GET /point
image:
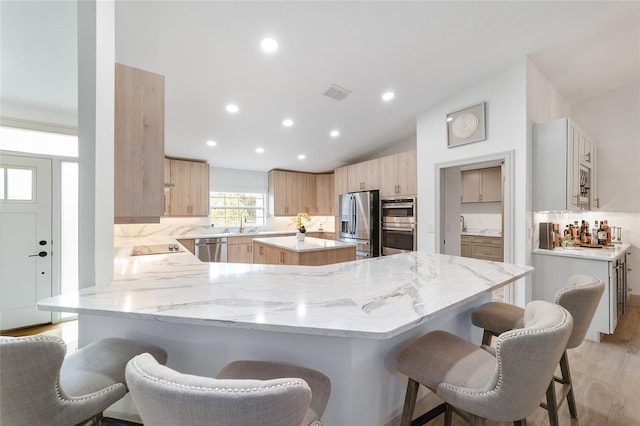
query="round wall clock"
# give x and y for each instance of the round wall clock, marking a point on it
(465, 125)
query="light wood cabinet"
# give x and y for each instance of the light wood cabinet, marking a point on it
(240, 250)
(291, 193)
(189, 244)
(398, 174)
(477, 247)
(364, 176)
(271, 255)
(324, 195)
(188, 188)
(482, 185)
(139, 146)
(565, 168)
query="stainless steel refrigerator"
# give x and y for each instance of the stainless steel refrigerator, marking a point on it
(360, 222)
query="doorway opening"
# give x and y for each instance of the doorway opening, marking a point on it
(475, 210)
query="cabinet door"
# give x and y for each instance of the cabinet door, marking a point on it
(389, 176)
(181, 189)
(308, 182)
(354, 174)
(595, 203)
(278, 192)
(371, 175)
(259, 255)
(465, 246)
(491, 180)
(189, 244)
(138, 146)
(407, 166)
(240, 253)
(199, 189)
(324, 194)
(470, 186)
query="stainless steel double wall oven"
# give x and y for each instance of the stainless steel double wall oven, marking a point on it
(399, 226)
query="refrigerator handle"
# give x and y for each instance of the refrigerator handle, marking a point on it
(353, 215)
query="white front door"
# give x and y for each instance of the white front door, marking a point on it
(25, 240)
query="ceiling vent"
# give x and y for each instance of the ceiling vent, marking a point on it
(336, 92)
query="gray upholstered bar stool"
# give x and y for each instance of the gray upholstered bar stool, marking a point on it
(580, 298)
(40, 386)
(166, 397)
(478, 384)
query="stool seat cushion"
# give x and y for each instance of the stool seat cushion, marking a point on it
(498, 317)
(450, 359)
(263, 370)
(101, 364)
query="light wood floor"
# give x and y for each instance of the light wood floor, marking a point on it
(606, 376)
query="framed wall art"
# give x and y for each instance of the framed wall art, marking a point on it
(466, 126)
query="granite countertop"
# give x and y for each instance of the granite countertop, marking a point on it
(309, 244)
(375, 298)
(605, 253)
(478, 232)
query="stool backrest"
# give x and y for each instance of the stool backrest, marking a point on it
(526, 360)
(580, 298)
(164, 396)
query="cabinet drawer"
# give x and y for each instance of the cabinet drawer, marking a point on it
(239, 240)
(488, 241)
(485, 251)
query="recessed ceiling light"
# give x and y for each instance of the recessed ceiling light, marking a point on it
(269, 45)
(301, 157)
(287, 122)
(232, 108)
(259, 150)
(334, 133)
(387, 96)
(212, 143)
(449, 118)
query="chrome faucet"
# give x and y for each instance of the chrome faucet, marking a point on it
(243, 220)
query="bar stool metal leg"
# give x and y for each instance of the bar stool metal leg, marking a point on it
(409, 402)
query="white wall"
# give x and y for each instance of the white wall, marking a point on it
(96, 85)
(405, 145)
(612, 121)
(506, 124)
(234, 180)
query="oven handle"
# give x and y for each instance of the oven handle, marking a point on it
(398, 205)
(396, 228)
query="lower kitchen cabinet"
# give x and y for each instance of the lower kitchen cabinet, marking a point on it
(477, 247)
(269, 255)
(189, 244)
(240, 250)
(552, 273)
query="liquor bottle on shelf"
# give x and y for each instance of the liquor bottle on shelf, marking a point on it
(602, 234)
(594, 233)
(608, 233)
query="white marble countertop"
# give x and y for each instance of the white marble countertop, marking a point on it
(478, 232)
(375, 298)
(309, 244)
(605, 253)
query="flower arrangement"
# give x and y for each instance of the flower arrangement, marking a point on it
(297, 220)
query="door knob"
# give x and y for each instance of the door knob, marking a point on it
(41, 254)
(43, 242)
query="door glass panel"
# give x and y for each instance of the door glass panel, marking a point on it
(1, 183)
(20, 184)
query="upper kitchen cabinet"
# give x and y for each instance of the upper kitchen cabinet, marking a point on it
(188, 187)
(139, 146)
(564, 167)
(324, 195)
(364, 176)
(291, 193)
(482, 185)
(398, 174)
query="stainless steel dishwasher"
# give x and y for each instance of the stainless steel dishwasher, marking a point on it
(211, 249)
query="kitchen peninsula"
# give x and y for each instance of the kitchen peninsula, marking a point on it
(310, 252)
(346, 319)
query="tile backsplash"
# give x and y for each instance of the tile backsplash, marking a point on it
(192, 227)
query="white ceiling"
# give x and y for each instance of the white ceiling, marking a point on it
(424, 51)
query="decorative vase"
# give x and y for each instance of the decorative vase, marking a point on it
(300, 237)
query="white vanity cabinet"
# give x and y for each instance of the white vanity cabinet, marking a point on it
(564, 167)
(554, 267)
